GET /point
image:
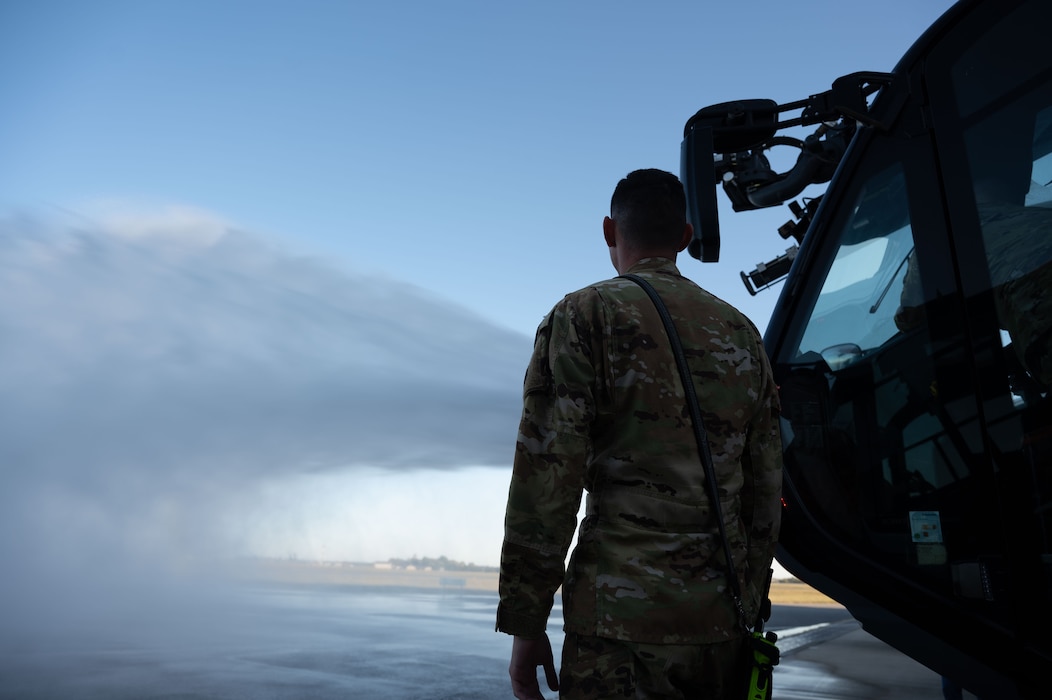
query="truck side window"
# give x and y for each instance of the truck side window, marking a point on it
(871, 438)
(1003, 92)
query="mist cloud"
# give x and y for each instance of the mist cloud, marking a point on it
(144, 351)
(153, 375)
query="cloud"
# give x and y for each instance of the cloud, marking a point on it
(152, 380)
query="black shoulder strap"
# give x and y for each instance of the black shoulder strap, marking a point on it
(700, 436)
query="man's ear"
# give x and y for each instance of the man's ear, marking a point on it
(610, 232)
(688, 233)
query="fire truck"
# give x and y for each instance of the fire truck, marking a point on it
(912, 337)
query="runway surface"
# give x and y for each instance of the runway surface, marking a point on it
(324, 642)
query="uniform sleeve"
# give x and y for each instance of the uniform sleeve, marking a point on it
(548, 473)
(761, 495)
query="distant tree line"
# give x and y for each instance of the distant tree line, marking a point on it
(439, 563)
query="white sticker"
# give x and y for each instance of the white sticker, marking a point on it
(930, 554)
(926, 526)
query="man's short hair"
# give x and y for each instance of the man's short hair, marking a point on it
(650, 208)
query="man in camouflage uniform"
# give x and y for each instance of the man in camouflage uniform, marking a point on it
(1018, 255)
(1017, 250)
(645, 602)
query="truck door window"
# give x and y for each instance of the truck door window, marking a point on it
(872, 439)
(989, 91)
(1006, 127)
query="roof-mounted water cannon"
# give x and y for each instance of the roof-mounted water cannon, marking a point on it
(726, 144)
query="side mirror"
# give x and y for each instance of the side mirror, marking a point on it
(729, 127)
(698, 174)
(737, 126)
(840, 356)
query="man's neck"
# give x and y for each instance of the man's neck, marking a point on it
(629, 259)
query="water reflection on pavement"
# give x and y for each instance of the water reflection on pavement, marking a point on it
(329, 642)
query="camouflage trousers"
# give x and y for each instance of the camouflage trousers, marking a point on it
(593, 667)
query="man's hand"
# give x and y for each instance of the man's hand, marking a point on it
(526, 656)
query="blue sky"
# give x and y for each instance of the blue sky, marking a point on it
(272, 269)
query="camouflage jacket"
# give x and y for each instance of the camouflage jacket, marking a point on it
(1020, 263)
(604, 413)
(1017, 250)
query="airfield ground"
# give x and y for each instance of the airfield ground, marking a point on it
(380, 575)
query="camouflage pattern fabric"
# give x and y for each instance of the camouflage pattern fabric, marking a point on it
(604, 413)
(910, 312)
(1019, 256)
(1016, 239)
(593, 667)
(1019, 250)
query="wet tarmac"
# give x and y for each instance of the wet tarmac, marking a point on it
(327, 642)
